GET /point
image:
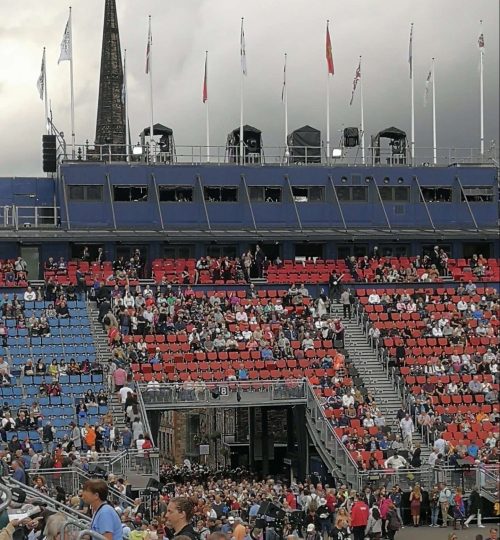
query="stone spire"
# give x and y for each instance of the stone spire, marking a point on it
(110, 128)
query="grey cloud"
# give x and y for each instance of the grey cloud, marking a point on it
(184, 29)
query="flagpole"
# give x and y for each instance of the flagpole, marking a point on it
(434, 138)
(45, 98)
(327, 110)
(285, 100)
(362, 117)
(127, 132)
(412, 143)
(241, 104)
(71, 84)
(207, 115)
(481, 89)
(150, 70)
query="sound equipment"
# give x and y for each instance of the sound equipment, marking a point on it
(271, 510)
(351, 137)
(49, 153)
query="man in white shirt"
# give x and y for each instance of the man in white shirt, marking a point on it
(124, 390)
(433, 457)
(440, 445)
(374, 298)
(407, 429)
(396, 462)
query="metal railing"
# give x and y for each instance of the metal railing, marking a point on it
(275, 155)
(33, 494)
(72, 480)
(331, 442)
(222, 393)
(25, 217)
(145, 463)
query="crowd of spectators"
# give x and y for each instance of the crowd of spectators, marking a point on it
(444, 345)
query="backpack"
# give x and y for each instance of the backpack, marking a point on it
(394, 523)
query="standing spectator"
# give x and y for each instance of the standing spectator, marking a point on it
(393, 522)
(179, 514)
(444, 502)
(407, 430)
(474, 507)
(458, 509)
(434, 506)
(373, 528)
(345, 300)
(415, 504)
(359, 518)
(18, 473)
(105, 520)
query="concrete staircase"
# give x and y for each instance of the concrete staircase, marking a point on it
(374, 377)
(104, 357)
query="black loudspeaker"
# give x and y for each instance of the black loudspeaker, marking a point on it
(351, 137)
(154, 485)
(253, 145)
(271, 510)
(49, 153)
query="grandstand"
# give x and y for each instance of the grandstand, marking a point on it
(249, 328)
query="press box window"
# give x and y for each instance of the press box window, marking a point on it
(265, 194)
(352, 194)
(221, 194)
(436, 194)
(477, 194)
(85, 193)
(308, 194)
(175, 194)
(397, 194)
(130, 193)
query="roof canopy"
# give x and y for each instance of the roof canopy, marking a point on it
(158, 129)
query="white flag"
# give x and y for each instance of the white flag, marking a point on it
(40, 84)
(149, 46)
(427, 87)
(66, 47)
(242, 51)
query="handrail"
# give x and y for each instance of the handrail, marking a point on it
(273, 155)
(73, 522)
(143, 413)
(92, 534)
(59, 506)
(8, 497)
(222, 392)
(330, 428)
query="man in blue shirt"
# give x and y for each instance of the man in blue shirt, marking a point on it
(105, 520)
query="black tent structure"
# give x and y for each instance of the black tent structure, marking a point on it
(398, 143)
(304, 145)
(166, 144)
(252, 145)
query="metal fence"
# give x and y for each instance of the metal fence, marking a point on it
(276, 155)
(25, 217)
(223, 393)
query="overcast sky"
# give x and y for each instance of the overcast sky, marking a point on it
(182, 31)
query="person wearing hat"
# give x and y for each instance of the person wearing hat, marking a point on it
(325, 518)
(311, 533)
(227, 528)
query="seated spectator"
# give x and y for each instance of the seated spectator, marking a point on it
(62, 311)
